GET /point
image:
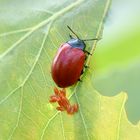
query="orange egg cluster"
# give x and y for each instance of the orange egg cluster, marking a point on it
(64, 104)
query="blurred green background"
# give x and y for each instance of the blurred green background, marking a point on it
(117, 56)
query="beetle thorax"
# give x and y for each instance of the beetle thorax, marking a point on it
(77, 43)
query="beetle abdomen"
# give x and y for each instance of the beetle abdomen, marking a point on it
(67, 65)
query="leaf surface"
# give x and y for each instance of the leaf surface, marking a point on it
(30, 34)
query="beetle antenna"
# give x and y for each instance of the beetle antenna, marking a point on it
(91, 39)
(72, 31)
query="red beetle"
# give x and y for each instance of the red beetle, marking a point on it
(67, 67)
(69, 62)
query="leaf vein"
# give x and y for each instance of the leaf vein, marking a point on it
(47, 124)
(82, 117)
(31, 70)
(119, 120)
(19, 114)
(63, 131)
(28, 117)
(41, 24)
(14, 32)
(99, 30)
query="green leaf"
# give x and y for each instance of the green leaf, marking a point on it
(107, 118)
(30, 34)
(126, 79)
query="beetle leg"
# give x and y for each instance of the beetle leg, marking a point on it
(79, 80)
(87, 52)
(85, 57)
(86, 66)
(82, 72)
